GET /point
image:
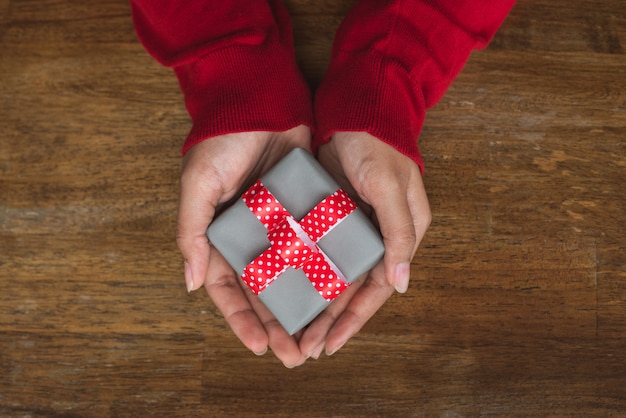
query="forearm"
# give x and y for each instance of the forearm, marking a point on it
(234, 61)
(393, 60)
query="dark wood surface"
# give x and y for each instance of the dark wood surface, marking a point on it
(517, 304)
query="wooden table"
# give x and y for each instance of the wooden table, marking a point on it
(517, 304)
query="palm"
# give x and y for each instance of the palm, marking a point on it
(329, 158)
(387, 185)
(235, 160)
(214, 172)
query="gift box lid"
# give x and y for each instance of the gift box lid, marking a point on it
(299, 183)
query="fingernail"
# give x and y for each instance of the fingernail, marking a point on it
(260, 353)
(401, 279)
(317, 351)
(333, 351)
(292, 366)
(188, 277)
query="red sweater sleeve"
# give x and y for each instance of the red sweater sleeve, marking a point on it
(394, 59)
(234, 60)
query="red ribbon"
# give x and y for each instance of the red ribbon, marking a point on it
(293, 243)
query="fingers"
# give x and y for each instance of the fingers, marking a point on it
(313, 340)
(404, 216)
(196, 210)
(246, 315)
(391, 184)
(366, 301)
(420, 208)
(200, 193)
(250, 320)
(384, 178)
(213, 171)
(347, 315)
(284, 346)
(398, 232)
(224, 289)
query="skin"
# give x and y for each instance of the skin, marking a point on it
(214, 171)
(385, 183)
(389, 185)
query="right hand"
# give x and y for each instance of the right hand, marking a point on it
(389, 186)
(214, 171)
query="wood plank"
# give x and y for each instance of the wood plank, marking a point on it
(517, 300)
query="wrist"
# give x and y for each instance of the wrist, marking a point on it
(352, 97)
(225, 92)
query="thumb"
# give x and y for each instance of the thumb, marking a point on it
(398, 231)
(195, 213)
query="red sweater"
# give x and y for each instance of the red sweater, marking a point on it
(391, 61)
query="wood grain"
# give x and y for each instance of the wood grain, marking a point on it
(517, 303)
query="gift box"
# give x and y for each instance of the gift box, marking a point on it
(296, 239)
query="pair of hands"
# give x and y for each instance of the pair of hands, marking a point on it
(383, 181)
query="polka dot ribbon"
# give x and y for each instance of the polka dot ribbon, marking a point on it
(293, 243)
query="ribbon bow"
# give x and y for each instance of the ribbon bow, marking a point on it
(293, 243)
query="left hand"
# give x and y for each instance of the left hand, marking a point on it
(214, 171)
(388, 185)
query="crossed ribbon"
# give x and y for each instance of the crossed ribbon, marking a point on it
(294, 243)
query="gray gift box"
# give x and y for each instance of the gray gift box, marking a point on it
(299, 183)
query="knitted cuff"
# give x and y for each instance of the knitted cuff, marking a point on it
(371, 93)
(244, 88)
